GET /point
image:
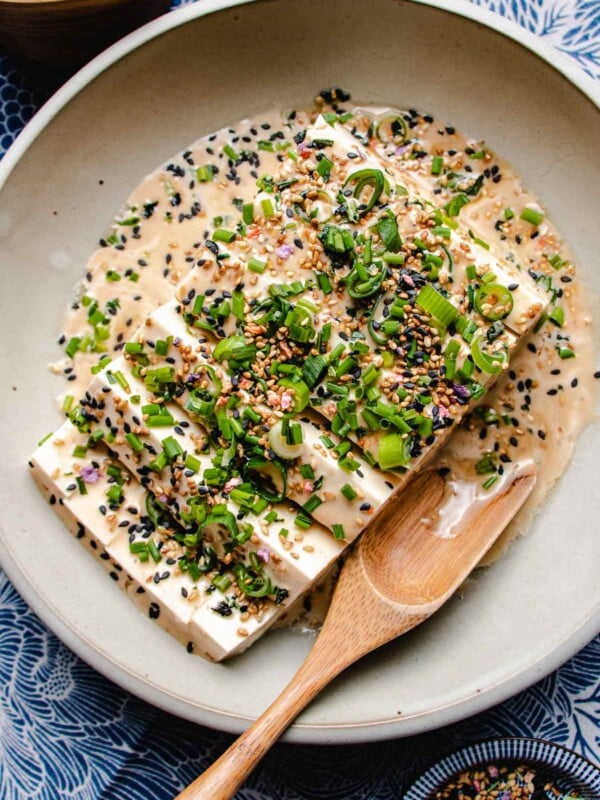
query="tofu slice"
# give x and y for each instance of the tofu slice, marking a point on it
(371, 486)
(162, 590)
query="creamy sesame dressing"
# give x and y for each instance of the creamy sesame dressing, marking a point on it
(281, 327)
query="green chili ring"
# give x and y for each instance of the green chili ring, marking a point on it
(363, 178)
(261, 465)
(398, 130)
(498, 297)
(379, 339)
(360, 288)
(492, 363)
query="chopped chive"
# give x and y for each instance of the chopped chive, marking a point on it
(436, 165)
(338, 531)
(222, 235)
(113, 276)
(134, 442)
(248, 213)
(73, 346)
(490, 481)
(348, 491)
(230, 152)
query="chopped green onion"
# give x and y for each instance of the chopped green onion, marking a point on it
(230, 152)
(437, 306)
(256, 265)
(171, 448)
(134, 442)
(487, 484)
(206, 173)
(566, 352)
(324, 168)
(557, 316)
(72, 346)
(221, 235)
(532, 216)
(393, 451)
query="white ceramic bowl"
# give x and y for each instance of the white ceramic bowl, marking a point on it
(142, 101)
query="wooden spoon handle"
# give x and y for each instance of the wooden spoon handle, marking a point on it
(340, 643)
(220, 781)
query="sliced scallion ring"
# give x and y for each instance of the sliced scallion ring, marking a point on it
(391, 128)
(280, 446)
(437, 306)
(494, 301)
(300, 391)
(393, 451)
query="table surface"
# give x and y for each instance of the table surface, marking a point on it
(67, 732)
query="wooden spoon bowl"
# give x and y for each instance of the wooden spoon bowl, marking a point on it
(69, 32)
(398, 574)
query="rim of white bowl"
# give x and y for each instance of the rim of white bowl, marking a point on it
(223, 720)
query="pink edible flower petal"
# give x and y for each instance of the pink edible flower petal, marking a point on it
(284, 251)
(89, 474)
(286, 401)
(264, 554)
(308, 487)
(231, 484)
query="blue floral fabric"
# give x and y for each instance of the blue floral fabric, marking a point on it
(67, 732)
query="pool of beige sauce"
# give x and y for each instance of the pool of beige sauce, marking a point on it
(547, 430)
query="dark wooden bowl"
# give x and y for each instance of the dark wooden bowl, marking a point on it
(69, 32)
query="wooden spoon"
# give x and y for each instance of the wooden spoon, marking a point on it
(398, 575)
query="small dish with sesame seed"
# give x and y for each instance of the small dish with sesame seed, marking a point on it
(510, 769)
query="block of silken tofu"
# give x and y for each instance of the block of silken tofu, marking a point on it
(108, 532)
(156, 583)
